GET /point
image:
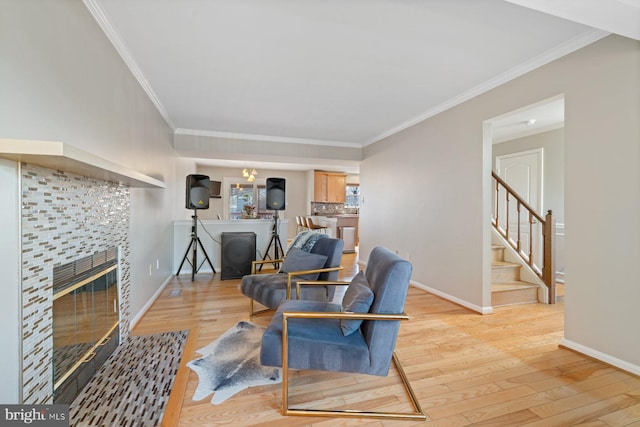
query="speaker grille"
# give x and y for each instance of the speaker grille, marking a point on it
(276, 194)
(197, 192)
(238, 251)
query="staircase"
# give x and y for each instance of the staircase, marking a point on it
(506, 286)
(519, 226)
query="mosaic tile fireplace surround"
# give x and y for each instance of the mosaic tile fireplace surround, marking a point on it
(64, 217)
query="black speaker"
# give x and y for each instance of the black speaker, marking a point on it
(197, 196)
(275, 194)
(238, 251)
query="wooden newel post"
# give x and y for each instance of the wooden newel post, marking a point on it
(550, 255)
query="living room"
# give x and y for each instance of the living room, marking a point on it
(66, 82)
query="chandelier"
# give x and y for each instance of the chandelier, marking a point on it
(251, 176)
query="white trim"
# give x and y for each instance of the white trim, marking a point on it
(20, 292)
(603, 357)
(559, 51)
(134, 320)
(253, 137)
(455, 300)
(529, 132)
(559, 233)
(101, 18)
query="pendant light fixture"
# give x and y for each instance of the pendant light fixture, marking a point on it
(251, 176)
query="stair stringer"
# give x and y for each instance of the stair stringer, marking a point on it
(526, 273)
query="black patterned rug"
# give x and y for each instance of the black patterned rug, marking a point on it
(231, 363)
(133, 386)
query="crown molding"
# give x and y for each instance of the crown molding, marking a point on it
(253, 137)
(115, 39)
(559, 51)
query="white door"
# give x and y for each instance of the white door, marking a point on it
(523, 172)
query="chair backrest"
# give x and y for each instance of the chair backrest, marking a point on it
(332, 249)
(388, 276)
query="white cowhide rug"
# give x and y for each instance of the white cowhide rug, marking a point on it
(231, 363)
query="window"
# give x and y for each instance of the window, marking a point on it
(352, 199)
(251, 194)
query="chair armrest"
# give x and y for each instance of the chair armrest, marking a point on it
(323, 283)
(319, 283)
(291, 274)
(264, 261)
(340, 315)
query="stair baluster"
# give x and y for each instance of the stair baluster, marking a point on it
(546, 271)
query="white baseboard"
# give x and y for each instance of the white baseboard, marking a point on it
(466, 304)
(603, 357)
(456, 300)
(134, 321)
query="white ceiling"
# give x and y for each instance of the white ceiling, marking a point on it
(530, 120)
(334, 72)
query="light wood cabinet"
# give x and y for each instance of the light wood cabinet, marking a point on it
(329, 187)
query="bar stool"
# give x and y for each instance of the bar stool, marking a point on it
(303, 221)
(299, 226)
(316, 227)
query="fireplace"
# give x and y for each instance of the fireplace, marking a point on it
(85, 320)
(65, 218)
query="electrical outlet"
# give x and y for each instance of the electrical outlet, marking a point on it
(150, 270)
(157, 264)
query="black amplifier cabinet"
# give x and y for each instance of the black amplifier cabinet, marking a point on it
(238, 251)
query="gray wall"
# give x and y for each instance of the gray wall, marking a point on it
(62, 80)
(426, 194)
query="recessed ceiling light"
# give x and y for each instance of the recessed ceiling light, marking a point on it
(530, 122)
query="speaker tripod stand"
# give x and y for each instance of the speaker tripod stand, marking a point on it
(277, 245)
(193, 246)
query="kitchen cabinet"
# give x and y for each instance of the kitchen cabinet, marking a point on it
(329, 187)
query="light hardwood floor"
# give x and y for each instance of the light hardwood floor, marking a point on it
(503, 369)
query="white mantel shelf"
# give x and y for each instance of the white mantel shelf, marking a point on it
(64, 157)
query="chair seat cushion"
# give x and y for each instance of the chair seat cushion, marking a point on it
(271, 289)
(319, 343)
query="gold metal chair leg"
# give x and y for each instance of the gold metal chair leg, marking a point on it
(417, 415)
(255, 313)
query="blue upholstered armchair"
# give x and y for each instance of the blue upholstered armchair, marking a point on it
(312, 256)
(356, 336)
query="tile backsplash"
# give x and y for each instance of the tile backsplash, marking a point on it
(319, 208)
(64, 217)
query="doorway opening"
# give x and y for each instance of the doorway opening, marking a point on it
(525, 147)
